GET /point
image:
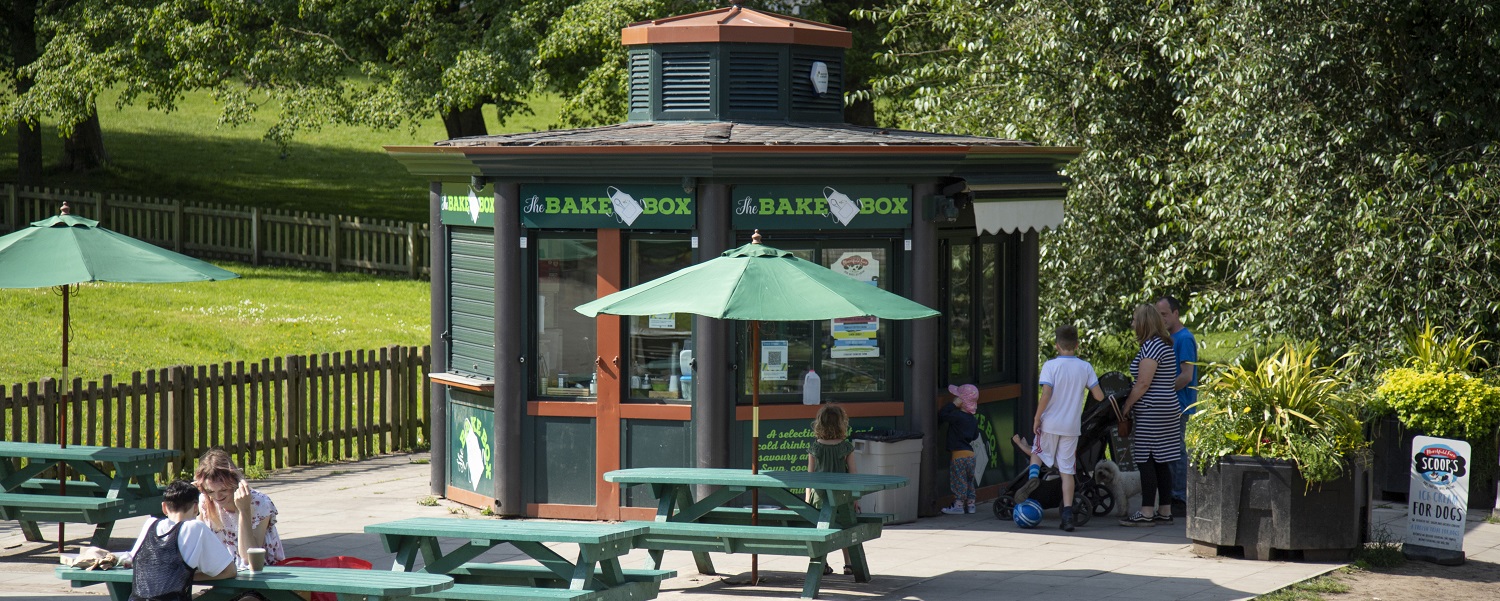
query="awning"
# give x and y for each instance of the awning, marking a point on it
(1016, 202)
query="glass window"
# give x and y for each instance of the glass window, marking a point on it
(960, 308)
(852, 357)
(981, 318)
(660, 346)
(567, 268)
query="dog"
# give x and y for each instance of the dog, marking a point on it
(1125, 487)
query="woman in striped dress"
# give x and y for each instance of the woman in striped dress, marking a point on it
(1153, 405)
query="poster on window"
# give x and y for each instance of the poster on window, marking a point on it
(854, 338)
(662, 321)
(860, 266)
(773, 358)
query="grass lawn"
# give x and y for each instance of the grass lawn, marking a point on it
(266, 312)
(187, 155)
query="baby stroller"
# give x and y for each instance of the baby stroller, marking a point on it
(1095, 432)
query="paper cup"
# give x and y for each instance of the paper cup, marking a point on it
(256, 557)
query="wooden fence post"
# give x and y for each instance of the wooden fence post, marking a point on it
(412, 258)
(12, 206)
(255, 233)
(173, 419)
(99, 207)
(177, 224)
(334, 221)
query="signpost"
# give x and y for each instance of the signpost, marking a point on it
(1439, 500)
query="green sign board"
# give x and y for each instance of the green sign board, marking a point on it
(464, 205)
(783, 443)
(607, 206)
(826, 207)
(470, 444)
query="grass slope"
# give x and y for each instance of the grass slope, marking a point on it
(187, 155)
(266, 312)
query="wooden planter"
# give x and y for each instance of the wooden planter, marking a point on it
(1264, 507)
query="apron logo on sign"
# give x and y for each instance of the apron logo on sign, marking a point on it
(1439, 465)
(627, 208)
(840, 206)
(473, 205)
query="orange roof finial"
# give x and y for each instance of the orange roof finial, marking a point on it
(65, 208)
(755, 238)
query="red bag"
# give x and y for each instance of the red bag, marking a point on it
(337, 561)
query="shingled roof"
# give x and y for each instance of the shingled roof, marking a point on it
(678, 133)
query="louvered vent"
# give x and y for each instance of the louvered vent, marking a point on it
(804, 98)
(640, 81)
(754, 81)
(686, 81)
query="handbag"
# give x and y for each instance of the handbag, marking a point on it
(337, 561)
(1122, 418)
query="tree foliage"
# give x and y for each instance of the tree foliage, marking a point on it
(1316, 170)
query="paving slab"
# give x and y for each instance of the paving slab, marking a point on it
(324, 509)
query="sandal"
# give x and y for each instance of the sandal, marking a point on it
(848, 570)
(827, 570)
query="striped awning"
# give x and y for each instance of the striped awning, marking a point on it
(1016, 202)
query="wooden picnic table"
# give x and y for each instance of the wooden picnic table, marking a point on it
(797, 528)
(117, 483)
(595, 572)
(277, 583)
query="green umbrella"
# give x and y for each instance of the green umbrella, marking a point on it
(757, 283)
(65, 250)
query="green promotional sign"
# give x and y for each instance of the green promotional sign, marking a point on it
(783, 443)
(607, 206)
(825, 207)
(470, 460)
(464, 205)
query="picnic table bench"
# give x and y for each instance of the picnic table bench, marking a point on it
(594, 574)
(278, 583)
(797, 528)
(117, 483)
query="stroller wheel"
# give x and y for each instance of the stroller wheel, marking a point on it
(1083, 509)
(1102, 500)
(1005, 508)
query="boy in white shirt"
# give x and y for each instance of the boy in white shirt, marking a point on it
(1059, 414)
(172, 552)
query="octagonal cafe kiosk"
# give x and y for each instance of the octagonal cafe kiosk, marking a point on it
(735, 125)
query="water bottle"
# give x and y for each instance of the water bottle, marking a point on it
(812, 388)
(594, 384)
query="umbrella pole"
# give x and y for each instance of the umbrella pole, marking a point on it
(62, 413)
(754, 439)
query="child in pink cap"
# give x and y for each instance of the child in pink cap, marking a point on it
(963, 429)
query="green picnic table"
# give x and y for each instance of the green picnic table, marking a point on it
(593, 574)
(797, 528)
(278, 583)
(117, 483)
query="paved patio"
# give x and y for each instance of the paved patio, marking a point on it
(325, 508)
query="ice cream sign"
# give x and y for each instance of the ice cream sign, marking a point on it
(830, 206)
(606, 206)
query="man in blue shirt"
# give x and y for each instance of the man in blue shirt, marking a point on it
(1186, 348)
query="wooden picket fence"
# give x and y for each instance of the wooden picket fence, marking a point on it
(231, 232)
(276, 413)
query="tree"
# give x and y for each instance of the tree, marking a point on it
(18, 20)
(1314, 170)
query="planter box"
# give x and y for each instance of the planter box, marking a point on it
(1264, 507)
(1390, 452)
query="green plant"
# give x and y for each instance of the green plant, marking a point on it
(1284, 405)
(1307, 590)
(256, 472)
(1428, 351)
(1440, 403)
(1383, 552)
(428, 501)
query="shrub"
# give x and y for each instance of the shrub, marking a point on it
(1279, 406)
(1441, 403)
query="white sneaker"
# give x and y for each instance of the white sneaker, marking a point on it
(956, 509)
(969, 507)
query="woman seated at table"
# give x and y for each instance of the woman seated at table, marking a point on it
(241, 517)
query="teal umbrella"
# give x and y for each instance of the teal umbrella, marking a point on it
(65, 251)
(757, 283)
